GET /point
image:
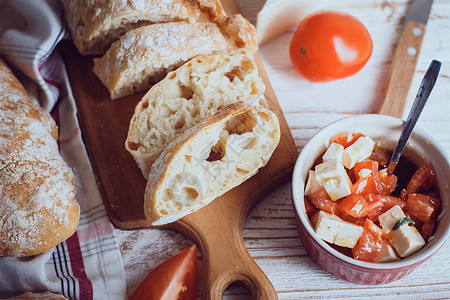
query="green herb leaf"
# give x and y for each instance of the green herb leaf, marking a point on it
(403, 222)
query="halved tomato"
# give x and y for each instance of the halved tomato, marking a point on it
(175, 278)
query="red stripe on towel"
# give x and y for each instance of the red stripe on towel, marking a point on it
(78, 269)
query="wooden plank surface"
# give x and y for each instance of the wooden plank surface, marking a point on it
(269, 231)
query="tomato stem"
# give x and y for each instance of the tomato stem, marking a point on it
(302, 51)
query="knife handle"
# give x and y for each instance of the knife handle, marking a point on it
(402, 69)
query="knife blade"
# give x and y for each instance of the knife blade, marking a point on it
(405, 58)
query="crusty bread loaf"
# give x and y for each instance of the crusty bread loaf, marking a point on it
(96, 24)
(145, 55)
(208, 160)
(186, 97)
(38, 208)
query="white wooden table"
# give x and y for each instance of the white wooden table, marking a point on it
(269, 233)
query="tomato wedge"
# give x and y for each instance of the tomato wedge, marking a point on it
(175, 278)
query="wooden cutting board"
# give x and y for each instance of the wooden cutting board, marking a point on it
(216, 228)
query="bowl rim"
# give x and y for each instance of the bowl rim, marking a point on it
(298, 194)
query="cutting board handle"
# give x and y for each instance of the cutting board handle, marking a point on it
(239, 267)
(224, 255)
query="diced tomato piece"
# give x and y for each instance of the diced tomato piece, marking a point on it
(365, 164)
(309, 207)
(364, 186)
(346, 217)
(422, 180)
(370, 244)
(436, 200)
(388, 201)
(388, 182)
(421, 206)
(378, 182)
(403, 195)
(352, 205)
(347, 139)
(428, 229)
(373, 209)
(322, 201)
(381, 155)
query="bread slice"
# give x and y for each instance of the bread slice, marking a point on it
(208, 160)
(187, 96)
(96, 24)
(37, 189)
(145, 55)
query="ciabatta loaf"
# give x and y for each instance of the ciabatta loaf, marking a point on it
(145, 55)
(37, 190)
(208, 160)
(187, 96)
(96, 24)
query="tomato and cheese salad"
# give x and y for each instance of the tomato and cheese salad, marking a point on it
(363, 211)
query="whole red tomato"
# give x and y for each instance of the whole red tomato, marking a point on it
(175, 278)
(330, 45)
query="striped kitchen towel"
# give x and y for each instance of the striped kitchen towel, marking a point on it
(88, 265)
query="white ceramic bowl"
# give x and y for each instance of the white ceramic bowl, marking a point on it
(385, 131)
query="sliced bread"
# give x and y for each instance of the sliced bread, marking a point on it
(96, 24)
(145, 55)
(208, 160)
(187, 96)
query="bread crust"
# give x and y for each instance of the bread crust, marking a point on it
(96, 24)
(145, 55)
(37, 187)
(247, 136)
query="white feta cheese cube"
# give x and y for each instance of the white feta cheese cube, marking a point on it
(312, 185)
(406, 240)
(333, 177)
(348, 234)
(388, 254)
(358, 151)
(335, 230)
(363, 173)
(390, 217)
(326, 225)
(334, 151)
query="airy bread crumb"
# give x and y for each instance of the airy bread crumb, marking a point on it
(186, 97)
(208, 160)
